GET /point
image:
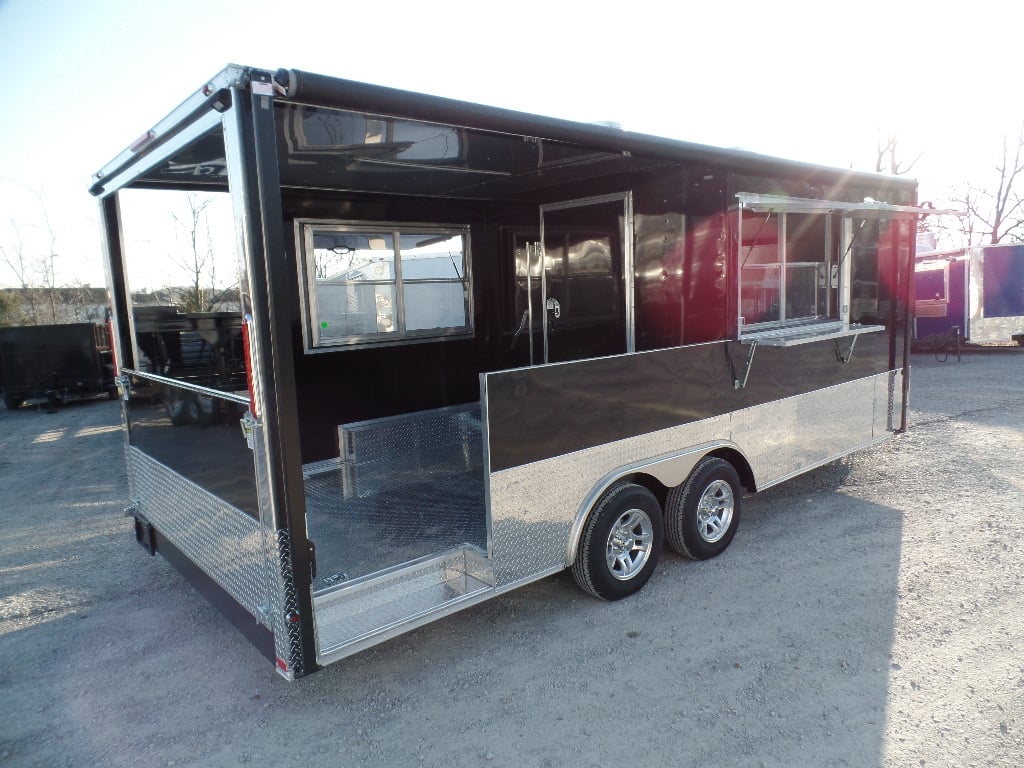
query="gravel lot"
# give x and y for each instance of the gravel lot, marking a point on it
(869, 613)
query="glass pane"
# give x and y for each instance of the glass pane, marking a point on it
(354, 309)
(368, 137)
(872, 245)
(353, 256)
(805, 293)
(759, 294)
(930, 283)
(805, 238)
(760, 239)
(760, 257)
(806, 255)
(434, 305)
(432, 256)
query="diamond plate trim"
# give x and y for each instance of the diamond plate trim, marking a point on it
(223, 541)
(287, 627)
(419, 432)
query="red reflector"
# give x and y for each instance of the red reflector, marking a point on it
(247, 352)
(110, 343)
(282, 665)
(142, 141)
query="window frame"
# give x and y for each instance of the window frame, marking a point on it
(781, 228)
(305, 229)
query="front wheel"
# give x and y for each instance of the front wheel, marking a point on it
(702, 514)
(621, 543)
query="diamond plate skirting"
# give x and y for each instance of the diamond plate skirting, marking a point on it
(224, 542)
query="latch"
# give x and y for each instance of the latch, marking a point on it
(124, 384)
(248, 424)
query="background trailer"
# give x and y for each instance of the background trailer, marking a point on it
(482, 346)
(55, 363)
(996, 292)
(979, 289)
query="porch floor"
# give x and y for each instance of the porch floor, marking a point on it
(366, 517)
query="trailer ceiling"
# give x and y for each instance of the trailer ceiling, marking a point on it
(330, 149)
(341, 135)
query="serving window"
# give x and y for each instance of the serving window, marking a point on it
(373, 284)
(785, 269)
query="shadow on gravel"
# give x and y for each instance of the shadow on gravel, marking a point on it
(776, 653)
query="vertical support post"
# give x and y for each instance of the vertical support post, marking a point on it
(117, 287)
(254, 181)
(628, 275)
(906, 294)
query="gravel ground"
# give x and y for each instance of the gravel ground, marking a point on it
(869, 613)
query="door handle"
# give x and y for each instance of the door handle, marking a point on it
(554, 308)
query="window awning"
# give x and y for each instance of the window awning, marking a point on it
(867, 209)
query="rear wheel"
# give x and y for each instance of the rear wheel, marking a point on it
(702, 514)
(177, 405)
(202, 410)
(621, 543)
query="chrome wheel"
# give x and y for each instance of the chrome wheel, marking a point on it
(629, 544)
(702, 514)
(714, 511)
(620, 542)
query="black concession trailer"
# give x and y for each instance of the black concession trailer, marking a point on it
(54, 363)
(480, 347)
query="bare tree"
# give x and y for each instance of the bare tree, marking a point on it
(48, 265)
(201, 294)
(997, 216)
(39, 299)
(887, 160)
(17, 260)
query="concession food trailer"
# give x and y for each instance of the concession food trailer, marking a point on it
(476, 347)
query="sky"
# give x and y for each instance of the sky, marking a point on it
(812, 81)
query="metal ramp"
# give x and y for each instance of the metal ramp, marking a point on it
(371, 610)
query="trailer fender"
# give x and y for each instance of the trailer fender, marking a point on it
(669, 470)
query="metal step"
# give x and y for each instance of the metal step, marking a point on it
(361, 613)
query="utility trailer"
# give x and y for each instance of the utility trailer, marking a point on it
(483, 346)
(54, 363)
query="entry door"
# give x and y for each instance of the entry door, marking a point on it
(586, 282)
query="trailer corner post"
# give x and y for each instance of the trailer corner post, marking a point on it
(255, 186)
(117, 287)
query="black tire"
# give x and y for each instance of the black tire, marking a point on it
(177, 406)
(202, 410)
(13, 402)
(621, 543)
(702, 514)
